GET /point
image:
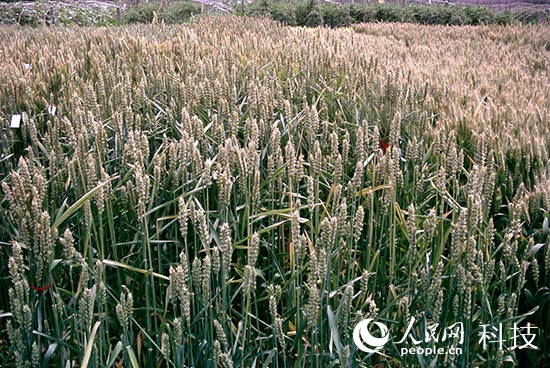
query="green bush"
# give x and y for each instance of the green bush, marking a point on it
(456, 19)
(336, 16)
(311, 13)
(174, 12)
(303, 10)
(504, 17)
(477, 15)
(180, 11)
(283, 14)
(369, 14)
(357, 12)
(141, 13)
(314, 19)
(388, 13)
(278, 11)
(261, 9)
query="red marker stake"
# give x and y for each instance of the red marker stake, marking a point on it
(43, 288)
(384, 145)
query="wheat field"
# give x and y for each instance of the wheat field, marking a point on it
(236, 193)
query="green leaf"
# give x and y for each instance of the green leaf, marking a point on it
(269, 358)
(108, 262)
(89, 346)
(61, 218)
(50, 352)
(133, 358)
(114, 354)
(334, 333)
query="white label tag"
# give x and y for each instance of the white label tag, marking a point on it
(15, 121)
(52, 109)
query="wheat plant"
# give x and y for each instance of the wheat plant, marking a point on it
(236, 193)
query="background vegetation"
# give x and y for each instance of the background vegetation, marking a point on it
(312, 13)
(234, 192)
(303, 13)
